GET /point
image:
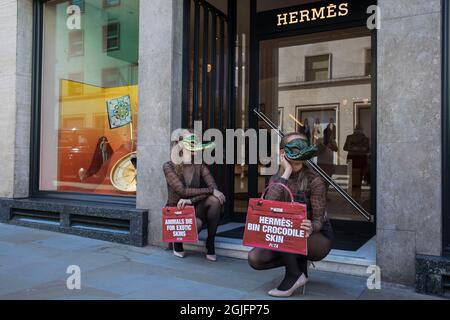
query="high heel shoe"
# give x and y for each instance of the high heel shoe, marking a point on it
(210, 251)
(211, 257)
(301, 283)
(180, 254)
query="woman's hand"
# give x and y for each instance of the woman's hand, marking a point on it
(219, 195)
(307, 226)
(287, 167)
(183, 203)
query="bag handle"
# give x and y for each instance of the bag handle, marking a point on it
(278, 184)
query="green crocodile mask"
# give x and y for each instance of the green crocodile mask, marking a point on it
(300, 150)
(192, 143)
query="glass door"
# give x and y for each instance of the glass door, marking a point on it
(321, 85)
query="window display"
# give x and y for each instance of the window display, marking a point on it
(89, 97)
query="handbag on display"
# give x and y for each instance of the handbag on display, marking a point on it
(276, 225)
(179, 225)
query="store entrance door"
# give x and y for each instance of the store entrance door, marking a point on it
(321, 85)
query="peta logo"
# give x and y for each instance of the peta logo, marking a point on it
(74, 280)
(374, 280)
(74, 17)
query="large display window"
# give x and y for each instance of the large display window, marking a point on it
(88, 96)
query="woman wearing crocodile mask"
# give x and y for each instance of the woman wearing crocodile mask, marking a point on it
(192, 184)
(309, 189)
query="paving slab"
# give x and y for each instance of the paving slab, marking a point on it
(33, 265)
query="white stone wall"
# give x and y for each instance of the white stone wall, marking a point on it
(409, 136)
(15, 90)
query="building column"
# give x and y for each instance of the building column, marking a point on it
(409, 136)
(160, 75)
(15, 78)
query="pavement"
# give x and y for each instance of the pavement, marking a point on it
(34, 264)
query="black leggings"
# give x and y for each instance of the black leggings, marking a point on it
(319, 246)
(208, 213)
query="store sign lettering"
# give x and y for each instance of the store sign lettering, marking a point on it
(322, 13)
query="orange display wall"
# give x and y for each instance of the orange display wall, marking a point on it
(83, 166)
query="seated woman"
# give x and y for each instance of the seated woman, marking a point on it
(307, 188)
(184, 183)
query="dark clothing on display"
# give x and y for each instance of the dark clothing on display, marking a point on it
(306, 130)
(358, 148)
(357, 144)
(329, 138)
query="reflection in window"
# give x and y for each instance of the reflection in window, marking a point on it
(111, 3)
(76, 43)
(317, 68)
(111, 37)
(111, 78)
(77, 88)
(80, 4)
(336, 116)
(89, 106)
(368, 64)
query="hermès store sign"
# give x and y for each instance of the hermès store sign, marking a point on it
(314, 15)
(325, 12)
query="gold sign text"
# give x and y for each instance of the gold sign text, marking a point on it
(327, 12)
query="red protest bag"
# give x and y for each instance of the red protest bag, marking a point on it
(276, 225)
(179, 225)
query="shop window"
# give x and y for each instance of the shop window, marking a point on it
(368, 64)
(336, 116)
(111, 37)
(76, 43)
(318, 68)
(111, 77)
(89, 103)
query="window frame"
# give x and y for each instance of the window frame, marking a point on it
(71, 43)
(308, 71)
(35, 143)
(368, 62)
(106, 37)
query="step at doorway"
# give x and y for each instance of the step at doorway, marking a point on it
(353, 261)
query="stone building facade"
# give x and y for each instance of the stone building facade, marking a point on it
(410, 214)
